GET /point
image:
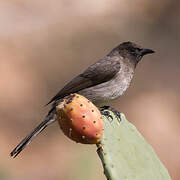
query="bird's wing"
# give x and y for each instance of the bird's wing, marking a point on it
(98, 73)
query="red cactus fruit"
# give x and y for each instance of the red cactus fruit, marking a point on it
(80, 119)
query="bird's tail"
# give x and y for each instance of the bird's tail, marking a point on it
(50, 118)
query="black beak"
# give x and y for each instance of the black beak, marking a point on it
(146, 51)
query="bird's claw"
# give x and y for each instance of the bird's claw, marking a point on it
(106, 113)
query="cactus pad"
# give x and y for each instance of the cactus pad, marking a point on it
(126, 155)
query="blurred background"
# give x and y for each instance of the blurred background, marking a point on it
(43, 44)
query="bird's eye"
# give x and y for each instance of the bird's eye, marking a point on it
(134, 51)
(137, 51)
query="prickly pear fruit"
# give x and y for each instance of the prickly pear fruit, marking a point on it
(80, 119)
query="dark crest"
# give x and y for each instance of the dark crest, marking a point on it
(130, 50)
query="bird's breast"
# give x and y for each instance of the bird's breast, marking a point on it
(111, 89)
(119, 84)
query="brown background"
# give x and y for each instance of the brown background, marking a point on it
(43, 44)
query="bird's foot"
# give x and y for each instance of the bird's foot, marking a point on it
(107, 113)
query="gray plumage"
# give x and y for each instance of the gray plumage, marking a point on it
(103, 81)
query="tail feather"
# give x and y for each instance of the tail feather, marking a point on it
(50, 118)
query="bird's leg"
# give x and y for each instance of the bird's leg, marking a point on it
(117, 113)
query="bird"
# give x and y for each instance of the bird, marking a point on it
(101, 82)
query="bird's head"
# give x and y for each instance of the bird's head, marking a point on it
(131, 51)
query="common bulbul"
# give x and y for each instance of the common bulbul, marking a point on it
(103, 81)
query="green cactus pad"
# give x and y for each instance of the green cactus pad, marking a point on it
(126, 155)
